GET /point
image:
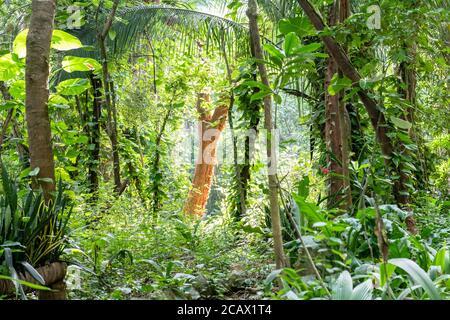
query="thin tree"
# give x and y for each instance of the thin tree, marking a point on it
(280, 259)
(109, 101)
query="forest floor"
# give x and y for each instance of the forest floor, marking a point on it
(125, 257)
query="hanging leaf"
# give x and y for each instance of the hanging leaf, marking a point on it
(400, 123)
(20, 44)
(17, 90)
(338, 84)
(112, 34)
(73, 87)
(8, 67)
(63, 41)
(72, 64)
(312, 47)
(276, 55)
(290, 43)
(301, 26)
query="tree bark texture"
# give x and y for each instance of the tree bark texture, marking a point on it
(109, 101)
(337, 128)
(53, 275)
(37, 93)
(211, 126)
(376, 116)
(407, 89)
(280, 258)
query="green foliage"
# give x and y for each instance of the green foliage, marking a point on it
(31, 232)
(61, 41)
(136, 243)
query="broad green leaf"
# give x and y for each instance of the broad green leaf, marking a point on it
(312, 47)
(20, 44)
(338, 84)
(274, 52)
(419, 276)
(301, 26)
(290, 43)
(8, 67)
(72, 64)
(73, 87)
(400, 123)
(303, 187)
(259, 95)
(310, 210)
(112, 34)
(17, 90)
(64, 41)
(57, 100)
(257, 84)
(61, 41)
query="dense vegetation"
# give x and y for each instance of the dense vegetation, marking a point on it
(224, 149)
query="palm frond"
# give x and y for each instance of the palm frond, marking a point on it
(276, 10)
(162, 22)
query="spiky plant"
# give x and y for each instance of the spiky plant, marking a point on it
(32, 233)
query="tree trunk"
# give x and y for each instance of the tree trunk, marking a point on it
(156, 168)
(408, 92)
(109, 100)
(94, 139)
(280, 259)
(37, 93)
(53, 275)
(240, 179)
(210, 129)
(337, 128)
(377, 117)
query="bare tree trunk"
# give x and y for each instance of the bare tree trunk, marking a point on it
(280, 259)
(36, 103)
(337, 128)
(109, 98)
(37, 93)
(210, 129)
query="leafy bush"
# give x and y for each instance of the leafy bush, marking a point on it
(32, 233)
